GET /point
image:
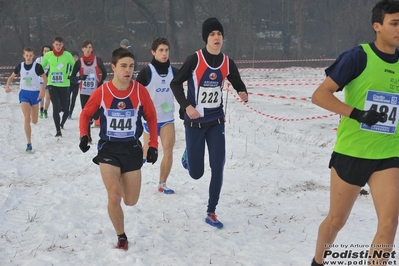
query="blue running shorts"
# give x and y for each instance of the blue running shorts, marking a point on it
(31, 97)
(147, 130)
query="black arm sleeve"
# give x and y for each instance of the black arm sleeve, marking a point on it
(235, 78)
(144, 76)
(181, 76)
(17, 69)
(102, 69)
(174, 71)
(75, 70)
(39, 70)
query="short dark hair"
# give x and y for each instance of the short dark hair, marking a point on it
(58, 39)
(157, 42)
(75, 53)
(120, 53)
(28, 49)
(46, 46)
(384, 7)
(86, 42)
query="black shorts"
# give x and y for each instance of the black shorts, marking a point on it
(128, 156)
(357, 171)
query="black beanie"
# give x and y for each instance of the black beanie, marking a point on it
(210, 25)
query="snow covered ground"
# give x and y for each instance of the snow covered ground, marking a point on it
(275, 193)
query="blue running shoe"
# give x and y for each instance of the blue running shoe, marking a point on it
(212, 220)
(28, 148)
(69, 117)
(162, 188)
(184, 159)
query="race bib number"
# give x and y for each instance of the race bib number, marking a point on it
(210, 97)
(119, 123)
(89, 83)
(57, 77)
(387, 104)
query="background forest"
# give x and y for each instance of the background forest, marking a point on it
(254, 29)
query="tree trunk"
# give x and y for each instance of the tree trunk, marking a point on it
(24, 24)
(286, 33)
(300, 19)
(171, 28)
(150, 17)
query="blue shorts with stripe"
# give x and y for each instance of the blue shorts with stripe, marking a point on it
(147, 130)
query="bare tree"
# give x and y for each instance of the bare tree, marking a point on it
(257, 29)
(239, 29)
(171, 28)
(286, 31)
(300, 19)
(148, 15)
(24, 26)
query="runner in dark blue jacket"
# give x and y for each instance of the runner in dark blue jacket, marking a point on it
(202, 110)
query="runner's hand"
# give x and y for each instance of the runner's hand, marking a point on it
(152, 155)
(370, 117)
(83, 77)
(84, 144)
(243, 95)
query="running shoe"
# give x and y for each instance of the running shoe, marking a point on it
(165, 190)
(59, 134)
(28, 148)
(184, 159)
(45, 114)
(122, 244)
(212, 220)
(69, 117)
(41, 115)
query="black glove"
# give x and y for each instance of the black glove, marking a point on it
(73, 79)
(152, 155)
(370, 117)
(181, 113)
(83, 77)
(84, 143)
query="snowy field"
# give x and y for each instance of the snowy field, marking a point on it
(53, 204)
